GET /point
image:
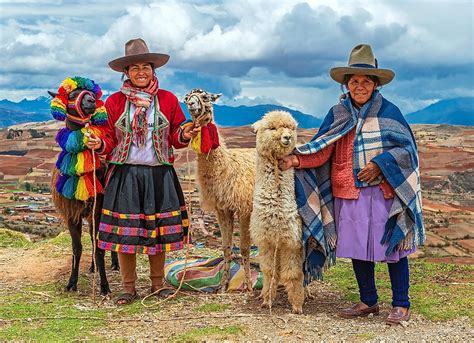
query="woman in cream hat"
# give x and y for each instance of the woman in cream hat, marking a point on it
(358, 187)
(144, 209)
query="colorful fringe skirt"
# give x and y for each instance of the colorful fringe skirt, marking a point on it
(144, 210)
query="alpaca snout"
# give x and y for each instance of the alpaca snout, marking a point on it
(286, 140)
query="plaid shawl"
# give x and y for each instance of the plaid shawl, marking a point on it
(382, 136)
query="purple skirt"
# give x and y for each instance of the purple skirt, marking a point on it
(360, 227)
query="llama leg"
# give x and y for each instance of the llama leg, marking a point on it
(269, 264)
(115, 262)
(75, 230)
(292, 276)
(104, 283)
(245, 251)
(226, 220)
(265, 258)
(99, 257)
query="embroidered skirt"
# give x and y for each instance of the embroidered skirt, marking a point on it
(144, 210)
(360, 227)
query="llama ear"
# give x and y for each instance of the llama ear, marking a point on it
(53, 95)
(214, 97)
(256, 126)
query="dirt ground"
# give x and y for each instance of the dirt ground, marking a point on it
(319, 322)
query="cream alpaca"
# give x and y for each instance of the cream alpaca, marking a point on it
(226, 179)
(275, 223)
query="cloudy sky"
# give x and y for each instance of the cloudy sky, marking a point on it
(252, 51)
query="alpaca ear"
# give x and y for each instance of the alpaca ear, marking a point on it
(256, 126)
(214, 97)
(53, 95)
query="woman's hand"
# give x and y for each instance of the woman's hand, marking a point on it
(93, 142)
(190, 131)
(288, 162)
(369, 173)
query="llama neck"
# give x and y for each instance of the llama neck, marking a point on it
(215, 156)
(265, 160)
(267, 169)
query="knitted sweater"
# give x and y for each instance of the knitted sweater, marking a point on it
(342, 175)
(166, 134)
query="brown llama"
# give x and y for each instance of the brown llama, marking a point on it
(78, 103)
(226, 180)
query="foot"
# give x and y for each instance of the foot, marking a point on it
(297, 309)
(71, 286)
(162, 292)
(105, 289)
(398, 314)
(359, 310)
(126, 298)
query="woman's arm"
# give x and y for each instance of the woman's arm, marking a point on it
(306, 161)
(180, 134)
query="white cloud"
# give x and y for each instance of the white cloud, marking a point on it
(255, 50)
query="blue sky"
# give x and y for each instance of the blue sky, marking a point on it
(252, 51)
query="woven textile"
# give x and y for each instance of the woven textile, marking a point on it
(382, 136)
(204, 273)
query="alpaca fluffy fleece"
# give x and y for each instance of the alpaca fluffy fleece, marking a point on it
(275, 223)
(226, 178)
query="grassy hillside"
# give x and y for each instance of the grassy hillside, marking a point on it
(44, 312)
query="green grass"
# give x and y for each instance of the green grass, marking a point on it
(13, 239)
(47, 300)
(209, 333)
(212, 307)
(439, 291)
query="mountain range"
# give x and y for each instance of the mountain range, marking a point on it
(456, 111)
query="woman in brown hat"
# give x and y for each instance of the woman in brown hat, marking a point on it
(357, 181)
(144, 209)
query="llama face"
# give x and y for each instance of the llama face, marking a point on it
(199, 104)
(276, 134)
(81, 105)
(83, 99)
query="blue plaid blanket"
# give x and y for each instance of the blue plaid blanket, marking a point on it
(382, 136)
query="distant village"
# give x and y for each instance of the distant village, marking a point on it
(29, 151)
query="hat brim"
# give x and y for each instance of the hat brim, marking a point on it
(385, 75)
(158, 60)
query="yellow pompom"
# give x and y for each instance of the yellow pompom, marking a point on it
(57, 103)
(196, 143)
(81, 190)
(69, 85)
(80, 164)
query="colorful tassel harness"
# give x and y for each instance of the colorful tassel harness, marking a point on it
(206, 140)
(76, 162)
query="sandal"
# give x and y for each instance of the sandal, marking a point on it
(126, 298)
(162, 292)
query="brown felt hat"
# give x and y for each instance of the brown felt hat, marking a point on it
(362, 62)
(136, 51)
